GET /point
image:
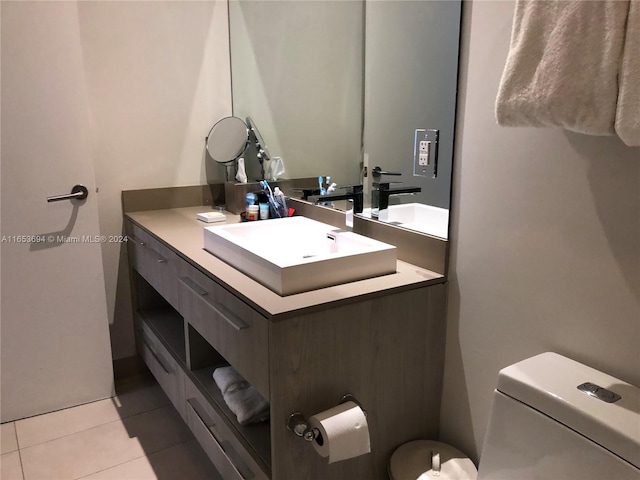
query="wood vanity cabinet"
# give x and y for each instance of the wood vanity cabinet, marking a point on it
(385, 347)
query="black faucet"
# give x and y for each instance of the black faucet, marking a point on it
(383, 190)
(353, 192)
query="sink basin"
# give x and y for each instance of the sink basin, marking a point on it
(297, 254)
(416, 216)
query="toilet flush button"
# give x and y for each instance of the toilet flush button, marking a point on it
(599, 392)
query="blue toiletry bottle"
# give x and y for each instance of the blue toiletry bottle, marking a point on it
(250, 200)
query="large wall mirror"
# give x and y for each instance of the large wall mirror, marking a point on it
(340, 87)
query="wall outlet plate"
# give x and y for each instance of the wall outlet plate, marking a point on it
(425, 152)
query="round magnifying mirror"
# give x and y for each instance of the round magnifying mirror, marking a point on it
(227, 139)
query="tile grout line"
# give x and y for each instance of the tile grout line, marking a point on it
(20, 458)
(91, 428)
(15, 427)
(97, 426)
(133, 459)
(112, 466)
(57, 410)
(15, 434)
(20, 448)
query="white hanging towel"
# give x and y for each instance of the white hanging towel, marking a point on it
(628, 110)
(562, 66)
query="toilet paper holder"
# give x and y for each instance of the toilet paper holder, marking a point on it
(298, 424)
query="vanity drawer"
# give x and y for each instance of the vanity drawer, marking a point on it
(155, 262)
(223, 448)
(163, 366)
(233, 328)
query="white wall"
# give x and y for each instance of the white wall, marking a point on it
(546, 242)
(158, 78)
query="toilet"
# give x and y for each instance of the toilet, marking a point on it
(551, 418)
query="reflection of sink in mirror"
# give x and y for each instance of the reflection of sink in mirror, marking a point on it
(416, 216)
(297, 254)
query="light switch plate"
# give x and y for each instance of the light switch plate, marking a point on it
(425, 153)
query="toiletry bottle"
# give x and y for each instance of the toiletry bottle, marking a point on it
(264, 211)
(280, 201)
(250, 200)
(252, 212)
(321, 186)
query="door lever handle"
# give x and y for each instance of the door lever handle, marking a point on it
(78, 192)
(378, 172)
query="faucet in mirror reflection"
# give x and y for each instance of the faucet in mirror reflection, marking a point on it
(354, 194)
(381, 192)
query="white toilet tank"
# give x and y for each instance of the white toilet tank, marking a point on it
(542, 426)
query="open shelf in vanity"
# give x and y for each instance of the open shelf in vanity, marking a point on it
(183, 363)
(168, 326)
(255, 437)
(302, 353)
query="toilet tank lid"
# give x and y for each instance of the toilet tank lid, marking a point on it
(548, 383)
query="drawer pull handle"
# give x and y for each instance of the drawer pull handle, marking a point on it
(240, 467)
(155, 354)
(136, 240)
(159, 258)
(204, 418)
(226, 314)
(193, 286)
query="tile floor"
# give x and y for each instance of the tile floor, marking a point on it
(136, 435)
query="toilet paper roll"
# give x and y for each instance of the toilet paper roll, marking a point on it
(344, 432)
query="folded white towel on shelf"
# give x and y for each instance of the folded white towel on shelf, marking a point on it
(242, 399)
(228, 379)
(628, 109)
(248, 405)
(562, 65)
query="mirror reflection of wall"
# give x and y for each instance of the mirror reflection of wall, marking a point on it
(411, 71)
(297, 70)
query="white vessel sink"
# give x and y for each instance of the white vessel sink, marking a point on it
(416, 216)
(297, 254)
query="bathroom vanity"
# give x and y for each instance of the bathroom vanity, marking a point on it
(380, 339)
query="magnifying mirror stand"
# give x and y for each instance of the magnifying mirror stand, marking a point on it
(230, 171)
(261, 147)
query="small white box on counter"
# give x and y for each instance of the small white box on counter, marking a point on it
(210, 217)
